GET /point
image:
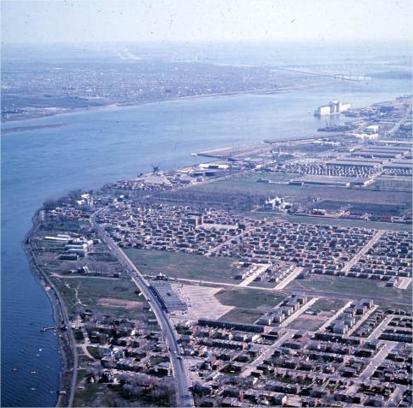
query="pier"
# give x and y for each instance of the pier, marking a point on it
(47, 328)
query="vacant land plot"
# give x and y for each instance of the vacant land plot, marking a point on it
(249, 298)
(240, 315)
(249, 304)
(341, 222)
(328, 305)
(262, 284)
(92, 293)
(183, 266)
(127, 304)
(63, 226)
(344, 287)
(249, 182)
(99, 395)
(307, 322)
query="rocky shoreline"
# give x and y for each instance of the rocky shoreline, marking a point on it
(67, 344)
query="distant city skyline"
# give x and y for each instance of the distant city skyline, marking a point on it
(87, 21)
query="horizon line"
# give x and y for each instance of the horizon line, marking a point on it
(225, 41)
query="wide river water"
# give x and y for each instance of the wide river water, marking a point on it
(100, 146)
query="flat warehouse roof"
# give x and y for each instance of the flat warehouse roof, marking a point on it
(377, 154)
(398, 166)
(387, 148)
(353, 163)
(330, 179)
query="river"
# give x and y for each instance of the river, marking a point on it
(95, 147)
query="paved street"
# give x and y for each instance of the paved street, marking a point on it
(377, 360)
(363, 251)
(267, 353)
(184, 397)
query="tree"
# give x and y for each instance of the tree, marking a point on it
(50, 204)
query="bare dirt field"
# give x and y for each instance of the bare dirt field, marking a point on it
(127, 304)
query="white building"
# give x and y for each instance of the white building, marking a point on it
(333, 108)
(372, 129)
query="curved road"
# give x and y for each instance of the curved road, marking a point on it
(184, 397)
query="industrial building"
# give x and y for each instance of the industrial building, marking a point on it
(167, 297)
(332, 181)
(333, 108)
(399, 164)
(352, 163)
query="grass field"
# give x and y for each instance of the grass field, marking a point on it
(342, 222)
(240, 315)
(62, 226)
(98, 395)
(262, 284)
(181, 265)
(305, 324)
(245, 298)
(82, 358)
(107, 296)
(249, 182)
(250, 304)
(350, 287)
(327, 305)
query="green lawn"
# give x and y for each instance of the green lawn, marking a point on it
(350, 287)
(249, 183)
(181, 265)
(240, 315)
(90, 290)
(250, 304)
(262, 284)
(245, 298)
(347, 223)
(305, 324)
(97, 395)
(327, 304)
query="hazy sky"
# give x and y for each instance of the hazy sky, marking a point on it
(57, 21)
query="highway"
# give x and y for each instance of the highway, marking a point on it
(184, 397)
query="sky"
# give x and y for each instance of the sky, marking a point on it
(83, 21)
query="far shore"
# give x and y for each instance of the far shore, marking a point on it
(113, 106)
(27, 128)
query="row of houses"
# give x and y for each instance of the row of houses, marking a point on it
(323, 249)
(302, 367)
(123, 348)
(285, 309)
(347, 319)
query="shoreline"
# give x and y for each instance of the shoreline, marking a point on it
(19, 129)
(69, 111)
(66, 342)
